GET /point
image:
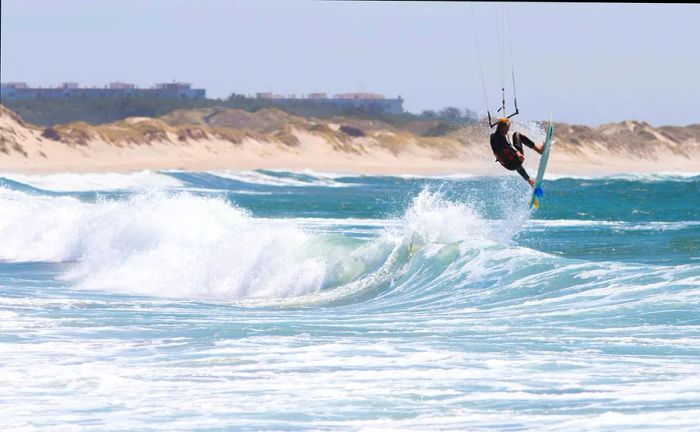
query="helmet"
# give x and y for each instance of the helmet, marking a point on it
(503, 121)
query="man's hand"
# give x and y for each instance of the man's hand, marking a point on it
(520, 156)
(539, 148)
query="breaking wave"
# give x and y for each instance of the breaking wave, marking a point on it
(438, 253)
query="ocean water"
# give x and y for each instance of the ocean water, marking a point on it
(269, 300)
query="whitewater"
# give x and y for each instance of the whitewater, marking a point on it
(273, 300)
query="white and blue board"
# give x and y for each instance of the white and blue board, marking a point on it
(538, 192)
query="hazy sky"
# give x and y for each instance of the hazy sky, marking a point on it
(582, 63)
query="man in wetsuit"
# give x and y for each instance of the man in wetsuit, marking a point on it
(511, 156)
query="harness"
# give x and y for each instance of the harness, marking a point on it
(508, 156)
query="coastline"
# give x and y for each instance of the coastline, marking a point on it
(296, 144)
(353, 169)
(398, 167)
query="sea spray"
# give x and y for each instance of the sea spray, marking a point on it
(176, 245)
(188, 246)
(195, 247)
(72, 182)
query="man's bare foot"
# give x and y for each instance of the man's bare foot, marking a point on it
(539, 148)
(532, 182)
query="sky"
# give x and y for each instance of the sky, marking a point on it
(576, 62)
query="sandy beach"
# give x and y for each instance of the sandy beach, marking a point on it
(298, 144)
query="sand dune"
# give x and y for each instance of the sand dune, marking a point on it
(217, 138)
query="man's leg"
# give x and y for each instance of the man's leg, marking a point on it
(517, 142)
(522, 172)
(520, 139)
(524, 175)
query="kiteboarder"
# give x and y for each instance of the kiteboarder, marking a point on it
(511, 156)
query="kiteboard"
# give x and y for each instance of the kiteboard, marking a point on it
(538, 192)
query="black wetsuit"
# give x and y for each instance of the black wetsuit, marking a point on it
(506, 153)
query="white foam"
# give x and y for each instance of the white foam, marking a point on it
(257, 177)
(434, 219)
(319, 174)
(640, 177)
(74, 182)
(615, 225)
(572, 223)
(166, 245)
(455, 176)
(180, 245)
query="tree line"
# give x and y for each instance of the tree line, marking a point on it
(49, 111)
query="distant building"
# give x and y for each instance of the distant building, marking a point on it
(121, 85)
(365, 101)
(175, 90)
(269, 95)
(16, 85)
(358, 96)
(369, 102)
(178, 90)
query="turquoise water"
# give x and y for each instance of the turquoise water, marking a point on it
(300, 301)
